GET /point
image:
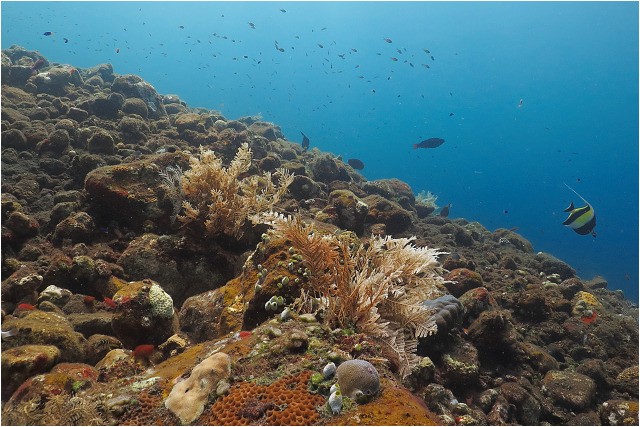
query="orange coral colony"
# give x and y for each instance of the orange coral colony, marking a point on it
(285, 402)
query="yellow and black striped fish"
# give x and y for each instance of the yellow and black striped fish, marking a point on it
(581, 220)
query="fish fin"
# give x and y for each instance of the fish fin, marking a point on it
(570, 208)
(577, 194)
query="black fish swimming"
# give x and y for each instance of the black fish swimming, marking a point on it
(429, 143)
(444, 212)
(305, 141)
(48, 33)
(356, 164)
(581, 220)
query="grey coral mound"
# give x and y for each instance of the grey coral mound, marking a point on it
(448, 311)
(358, 379)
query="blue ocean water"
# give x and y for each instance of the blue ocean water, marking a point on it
(325, 68)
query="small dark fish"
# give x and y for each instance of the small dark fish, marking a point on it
(444, 212)
(432, 58)
(429, 143)
(411, 65)
(388, 40)
(354, 50)
(399, 51)
(48, 33)
(341, 56)
(118, 50)
(283, 11)
(394, 59)
(66, 40)
(181, 27)
(281, 49)
(426, 65)
(305, 141)
(427, 51)
(320, 46)
(520, 103)
(252, 25)
(450, 114)
(356, 164)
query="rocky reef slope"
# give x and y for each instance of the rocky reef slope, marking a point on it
(141, 266)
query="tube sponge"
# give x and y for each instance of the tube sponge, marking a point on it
(188, 398)
(358, 379)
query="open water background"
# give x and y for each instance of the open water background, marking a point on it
(574, 65)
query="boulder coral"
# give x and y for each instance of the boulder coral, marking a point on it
(188, 398)
(358, 379)
(144, 314)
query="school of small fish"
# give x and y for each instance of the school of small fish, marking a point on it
(581, 220)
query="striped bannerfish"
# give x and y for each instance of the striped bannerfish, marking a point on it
(581, 220)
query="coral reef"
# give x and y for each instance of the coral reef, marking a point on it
(130, 256)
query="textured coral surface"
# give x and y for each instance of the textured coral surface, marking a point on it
(285, 402)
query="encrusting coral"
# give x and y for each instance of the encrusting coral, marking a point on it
(284, 402)
(188, 398)
(376, 287)
(219, 198)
